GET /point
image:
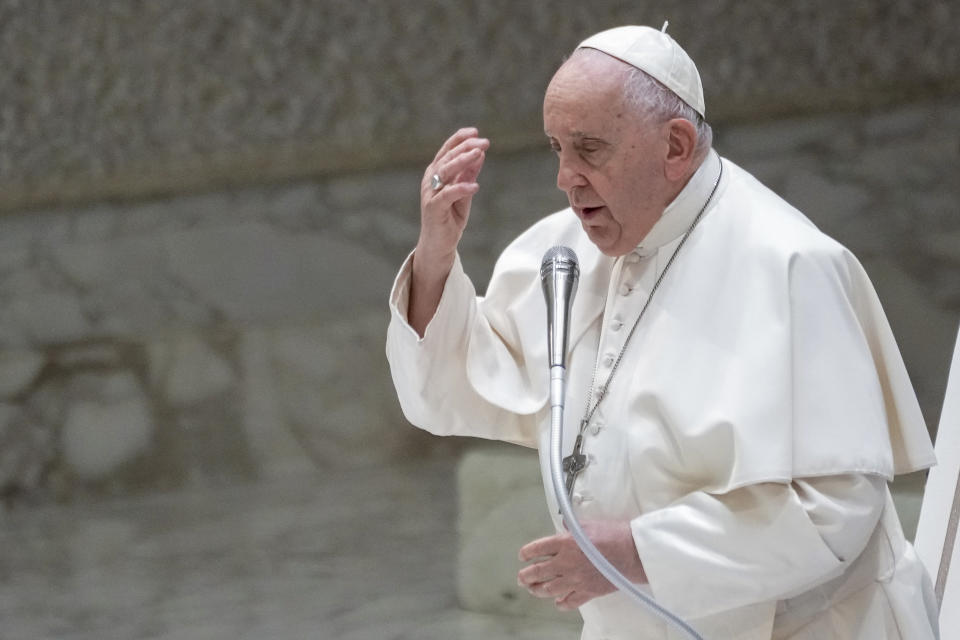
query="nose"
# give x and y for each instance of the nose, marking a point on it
(569, 174)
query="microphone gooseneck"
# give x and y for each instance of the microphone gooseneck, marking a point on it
(559, 273)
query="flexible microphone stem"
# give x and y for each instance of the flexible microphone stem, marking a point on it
(560, 266)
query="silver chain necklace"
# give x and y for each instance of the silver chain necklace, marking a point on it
(576, 462)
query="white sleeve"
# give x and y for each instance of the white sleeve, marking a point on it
(430, 373)
(706, 553)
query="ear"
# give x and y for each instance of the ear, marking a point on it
(681, 144)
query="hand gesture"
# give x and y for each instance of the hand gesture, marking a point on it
(559, 570)
(446, 192)
(445, 201)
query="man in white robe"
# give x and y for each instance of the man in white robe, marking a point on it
(749, 422)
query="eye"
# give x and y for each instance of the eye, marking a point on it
(589, 147)
(593, 151)
(555, 146)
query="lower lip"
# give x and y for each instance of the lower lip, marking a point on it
(589, 212)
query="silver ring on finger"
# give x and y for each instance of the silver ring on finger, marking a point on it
(436, 182)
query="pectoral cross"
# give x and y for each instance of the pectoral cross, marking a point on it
(574, 463)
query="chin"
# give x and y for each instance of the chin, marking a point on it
(607, 243)
(608, 249)
(613, 252)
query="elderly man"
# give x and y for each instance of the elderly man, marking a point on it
(744, 402)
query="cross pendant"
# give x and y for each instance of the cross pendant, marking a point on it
(574, 463)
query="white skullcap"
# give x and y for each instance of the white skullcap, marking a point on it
(657, 54)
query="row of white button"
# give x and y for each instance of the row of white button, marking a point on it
(608, 359)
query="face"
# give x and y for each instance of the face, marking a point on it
(611, 160)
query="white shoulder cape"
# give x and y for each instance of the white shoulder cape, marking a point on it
(765, 355)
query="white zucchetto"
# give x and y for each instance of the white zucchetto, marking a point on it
(655, 53)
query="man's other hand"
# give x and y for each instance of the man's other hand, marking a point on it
(559, 570)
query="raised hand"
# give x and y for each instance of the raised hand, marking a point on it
(444, 211)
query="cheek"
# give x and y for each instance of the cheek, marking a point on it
(618, 202)
(628, 208)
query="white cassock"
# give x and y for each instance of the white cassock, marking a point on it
(748, 435)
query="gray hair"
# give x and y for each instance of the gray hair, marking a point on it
(650, 99)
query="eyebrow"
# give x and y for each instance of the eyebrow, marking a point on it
(580, 136)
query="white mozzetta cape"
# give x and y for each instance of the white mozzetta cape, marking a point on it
(764, 357)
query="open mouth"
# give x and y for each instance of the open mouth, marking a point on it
(589, 211)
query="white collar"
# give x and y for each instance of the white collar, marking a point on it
(679, 214)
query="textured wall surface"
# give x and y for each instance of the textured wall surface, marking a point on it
(129, 97)
(204, 204)
(238, 335)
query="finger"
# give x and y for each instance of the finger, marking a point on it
(538, 589)
(458, 137)
(456, 162)
(540, 548)
(464, 169)
(555, 589)
(572, 600)
(468, 145)
(472, 170)
(452, 193)
(535, 573)
(464, 166)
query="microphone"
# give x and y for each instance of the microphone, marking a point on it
(559, 273)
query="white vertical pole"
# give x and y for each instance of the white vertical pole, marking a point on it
(937, 530)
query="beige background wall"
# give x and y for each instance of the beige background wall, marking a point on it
(203, 204)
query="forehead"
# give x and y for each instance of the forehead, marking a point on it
(585, 96)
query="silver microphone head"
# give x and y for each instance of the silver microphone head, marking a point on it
(559, 273)
(559, 257)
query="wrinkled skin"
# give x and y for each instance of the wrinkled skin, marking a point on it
(557, 568)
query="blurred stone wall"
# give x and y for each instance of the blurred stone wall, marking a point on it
(203, 204)
(126, 98)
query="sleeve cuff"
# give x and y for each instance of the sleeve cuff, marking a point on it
(400, 297)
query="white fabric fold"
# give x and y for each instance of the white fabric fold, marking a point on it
(779, 539)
